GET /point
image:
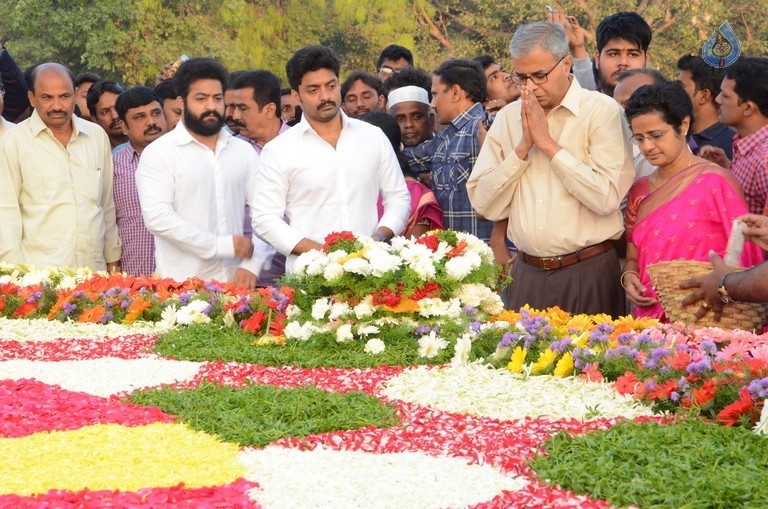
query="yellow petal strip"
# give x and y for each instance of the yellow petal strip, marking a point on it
(112, 457)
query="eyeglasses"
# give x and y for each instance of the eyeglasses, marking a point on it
(538, 78)
(653, 137)
(386, 70)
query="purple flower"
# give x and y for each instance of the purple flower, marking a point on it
(69, 308)
(108, 317)
(184, 298)
(469, 310)
(422, 330)
(474, 326)
(560, 347)
(625, 339)
(674, 396)
(507, 339)
(699, 368)
(78, 294)
(620, 352)
(758, 389)
(708, 346)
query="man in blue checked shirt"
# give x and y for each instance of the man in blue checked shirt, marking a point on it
(458, 91)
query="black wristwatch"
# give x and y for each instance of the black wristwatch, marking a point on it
(722, 292)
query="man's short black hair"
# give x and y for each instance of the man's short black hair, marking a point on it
(467, 74)
(30, 75)
(233, 77)
(751, 80)
(367, 78)
(266, 87)
(285, 91)
(485, 60)
(656, 75)
(134, 98)
(166, 89)
(308, 59)
(199, 69)
(394, 52)
(669, 99)
(409, 76)
(97, 90)
(629, 26)
(86, 77)
(704, 76)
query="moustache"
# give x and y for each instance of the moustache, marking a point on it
(214, 114)
(152, 130)
(57, 112)
(115, 124)
(326, 103)
(238, 123)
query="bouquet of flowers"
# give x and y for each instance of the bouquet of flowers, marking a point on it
(357, 289)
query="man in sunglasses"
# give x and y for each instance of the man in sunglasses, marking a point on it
(557, 163)
(392, 59)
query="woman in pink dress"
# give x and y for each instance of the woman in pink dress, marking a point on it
(682, 210)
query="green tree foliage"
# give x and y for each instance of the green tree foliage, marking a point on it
(130, 41)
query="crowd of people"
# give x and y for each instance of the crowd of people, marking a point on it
(567, 166)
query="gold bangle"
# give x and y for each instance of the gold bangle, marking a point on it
(621, 279)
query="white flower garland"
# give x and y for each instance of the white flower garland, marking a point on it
(41, 329)
(290, 478)
(483, 391)
(102, 377)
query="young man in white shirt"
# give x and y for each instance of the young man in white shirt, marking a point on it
(325, 174)
(194, 183)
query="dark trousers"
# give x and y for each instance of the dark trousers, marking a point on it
(591, 287)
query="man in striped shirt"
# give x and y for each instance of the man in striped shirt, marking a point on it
(142, 119)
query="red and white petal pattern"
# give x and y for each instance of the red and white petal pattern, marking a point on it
(485, 448)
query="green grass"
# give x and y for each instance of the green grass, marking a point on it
(691, 464)
(260, 414)
(210, 342)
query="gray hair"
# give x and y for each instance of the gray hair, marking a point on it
(543, 35)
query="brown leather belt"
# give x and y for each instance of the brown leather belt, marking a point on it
(566, 260)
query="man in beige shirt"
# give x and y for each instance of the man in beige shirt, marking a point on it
(5, 126)
(557, 163)
(56, 199)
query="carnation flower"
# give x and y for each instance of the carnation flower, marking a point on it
(320, 308)
(333, 271)
(307, 259)
(344, 333)
(357, 266)
(430, 345)
(460, 267)
(374, 346)
(338, 309)
(365, 308)
(432, 307)
(296, 330)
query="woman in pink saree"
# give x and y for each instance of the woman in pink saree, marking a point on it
(682, 210)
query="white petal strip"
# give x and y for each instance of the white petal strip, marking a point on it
(290, 478)
(102, 377)
(40, 329)
(482, 391)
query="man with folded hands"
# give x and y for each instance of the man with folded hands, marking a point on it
(557, 163)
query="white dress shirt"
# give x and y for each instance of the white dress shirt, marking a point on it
(321, 190)
(193, 201)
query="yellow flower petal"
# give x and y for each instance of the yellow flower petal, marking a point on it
(518, 360)
(564, 366)
(110, 456)
(545, 360)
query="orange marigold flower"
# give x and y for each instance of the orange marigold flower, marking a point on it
(663, 391)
